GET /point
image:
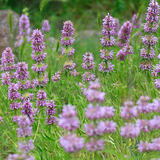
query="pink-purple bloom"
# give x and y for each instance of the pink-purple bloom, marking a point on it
(72, 143)
(68, 119)
(130, 130)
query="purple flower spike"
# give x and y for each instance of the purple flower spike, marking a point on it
(103, 68)
(68, 51)
(67, 33)
(135, 22)
(69, 65)
(7, 60)
(105, 54)
(22, 71)
(108, 25)
(24, 25)
(37, 41)
(6, 78)
(45, 25)
(124, 34)
(56, 77)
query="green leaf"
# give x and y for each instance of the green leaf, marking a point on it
(22, 48)
(99, 20)
(138, 30)
(10, 21)
(57, 46)
(140, 11)
(43, 3)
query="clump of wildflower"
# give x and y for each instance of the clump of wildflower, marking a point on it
(135, 22)
(72, 143)
(125, 51)
(124, 34)
(149, 146)
(56, 77)
(38, 55)
(67, 40)
(94, 145)
(13, 93)
(7, 64)
(41, 98)
(51, 111)
(130, 130)
(108, 30)
(24, 130)
(24, 25)
(67, 33)
(129, 111)
(68, 51)
(94, 112)
(68, 120)
(88, 65)
(149, 40)
(74, 72)
(143, 105)
(22, 71)
(24, 30)
(152, 17)
(45, 25)
(6, 78)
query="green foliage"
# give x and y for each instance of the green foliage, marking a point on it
(10, 21)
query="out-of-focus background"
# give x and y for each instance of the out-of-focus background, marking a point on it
(83, 13)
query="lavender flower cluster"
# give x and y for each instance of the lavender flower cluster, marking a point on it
(108, 30)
